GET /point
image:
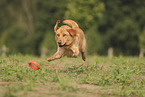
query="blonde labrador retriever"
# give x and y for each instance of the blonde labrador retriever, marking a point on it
(70, 40)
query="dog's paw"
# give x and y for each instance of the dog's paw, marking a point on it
(74, 55)
(49, 59)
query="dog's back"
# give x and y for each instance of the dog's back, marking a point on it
(81, 36)
(71, 23)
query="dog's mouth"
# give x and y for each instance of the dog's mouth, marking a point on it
(62, 45)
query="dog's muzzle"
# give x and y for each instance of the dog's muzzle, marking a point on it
(59, 43)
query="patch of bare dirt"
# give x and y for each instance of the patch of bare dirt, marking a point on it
(84, 90)
(8, 83)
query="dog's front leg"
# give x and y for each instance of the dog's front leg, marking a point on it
(57, 55)
(75, 51)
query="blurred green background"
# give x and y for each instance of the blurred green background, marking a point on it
(26, 26)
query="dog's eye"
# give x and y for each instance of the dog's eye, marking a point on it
(64, 35)
(58, 35)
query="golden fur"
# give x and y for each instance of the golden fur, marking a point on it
(70, 40)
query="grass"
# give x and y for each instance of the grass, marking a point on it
(69, 77)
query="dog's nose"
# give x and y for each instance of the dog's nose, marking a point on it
(59, 42)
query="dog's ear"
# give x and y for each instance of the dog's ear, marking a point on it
(56, 25)
(72, 32)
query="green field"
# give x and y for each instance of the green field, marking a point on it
(70, 77)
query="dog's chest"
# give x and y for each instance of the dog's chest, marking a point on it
(68, 52)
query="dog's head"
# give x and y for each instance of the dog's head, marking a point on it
(64, 35)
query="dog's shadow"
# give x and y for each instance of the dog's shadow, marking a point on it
(78, 69)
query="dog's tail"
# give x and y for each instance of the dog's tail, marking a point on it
(71, 23)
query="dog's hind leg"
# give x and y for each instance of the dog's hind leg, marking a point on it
(83, 56)
(83, 50)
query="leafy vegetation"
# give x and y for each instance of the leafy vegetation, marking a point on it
(26, 26)
(99, 76)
